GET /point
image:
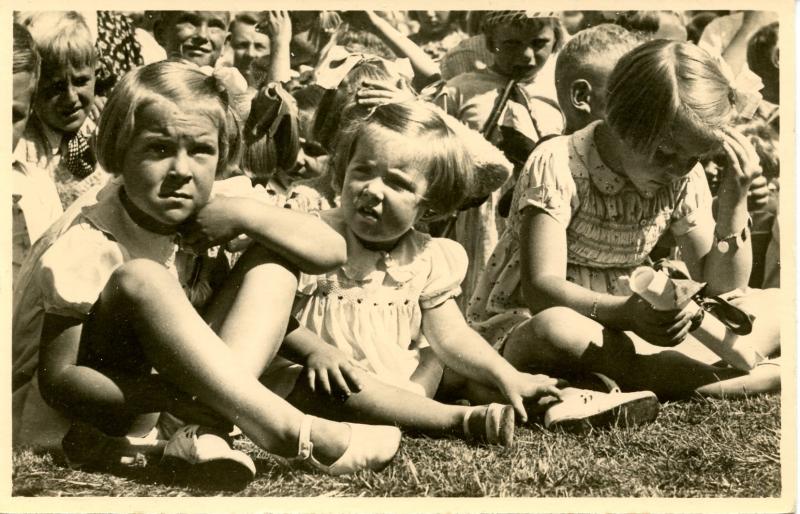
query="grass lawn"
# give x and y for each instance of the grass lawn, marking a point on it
(703, 448)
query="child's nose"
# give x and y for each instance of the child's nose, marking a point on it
(202, 31)
(372, 194)
(529, 53)
(70, 94)
(180, 165)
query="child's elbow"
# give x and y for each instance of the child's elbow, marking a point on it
(331, 254)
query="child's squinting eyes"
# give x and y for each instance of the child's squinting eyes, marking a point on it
(395, 180)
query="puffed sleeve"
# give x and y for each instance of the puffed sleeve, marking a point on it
(74, 271)
(546, 181)
(448, 266)
(693, 208)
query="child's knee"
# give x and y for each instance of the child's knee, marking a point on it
(561, 328)
(135, 280)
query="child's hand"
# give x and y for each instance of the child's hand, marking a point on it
(276, 25)
(662, 328)
(330, 370)
(758, 195)
(521, 387)
(376, 92)
(217, 222)
(742, 167)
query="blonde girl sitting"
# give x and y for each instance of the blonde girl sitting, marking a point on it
(101, 301)
(588, 209)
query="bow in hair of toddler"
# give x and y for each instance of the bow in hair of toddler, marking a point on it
(745, 88)
(735, 319)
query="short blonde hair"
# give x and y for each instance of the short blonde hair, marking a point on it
(62, 37)
(447, 163)
(665, 85)
(177, 82)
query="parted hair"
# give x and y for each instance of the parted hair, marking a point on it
(166, 81)
(663, 86)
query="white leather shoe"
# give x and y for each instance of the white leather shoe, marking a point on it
(582, 409)
(371, 447)
(208, 459)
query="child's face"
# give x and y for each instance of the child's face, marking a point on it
(673, 159)
(24, 86)
(196, 36)
(248, 45)
(171, 162)
(432, 22)
(383, 187)
(65, 96)
(520, 51)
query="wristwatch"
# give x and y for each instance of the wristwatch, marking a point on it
(735, 240)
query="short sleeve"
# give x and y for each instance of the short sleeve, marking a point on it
(448, 266)
(74, 271)
(694, 206)
(546, 181)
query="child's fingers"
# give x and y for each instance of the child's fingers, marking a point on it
(744, 143)
(551, 391)
(324, 381)
(351, 375)
(516, 402)
(340, 382)
(734, 162)
(378, 84)
(312, 379)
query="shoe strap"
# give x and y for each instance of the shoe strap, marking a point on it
(304, 444)
(490, 434)
(612, 386)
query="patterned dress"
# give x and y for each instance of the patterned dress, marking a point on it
(610, 227)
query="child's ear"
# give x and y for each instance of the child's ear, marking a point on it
(580, 95)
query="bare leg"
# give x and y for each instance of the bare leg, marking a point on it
(251, 310)
(561, 339)
(381, 403)
(186, 352)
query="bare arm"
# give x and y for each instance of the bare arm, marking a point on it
(467, 353)
(543, 249)
(735, 54)
(729, 270)
(425, 69)
(302, 239)
(87, 393)
(543, 254)
(278, 26)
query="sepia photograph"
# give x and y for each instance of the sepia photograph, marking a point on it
(398, 260)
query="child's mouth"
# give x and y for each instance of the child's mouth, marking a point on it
(369, 213)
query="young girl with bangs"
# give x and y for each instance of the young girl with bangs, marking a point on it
(102, 301)
(380, 327)
(587, 211)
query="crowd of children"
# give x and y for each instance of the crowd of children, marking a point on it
(318, 228)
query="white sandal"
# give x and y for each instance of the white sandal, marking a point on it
(370, 447)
